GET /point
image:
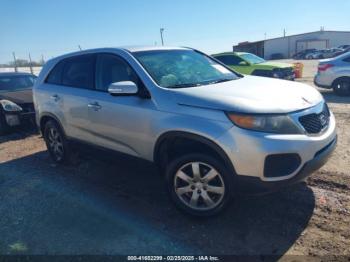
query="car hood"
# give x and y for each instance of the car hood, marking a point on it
(17, 96)
(251, 94)
(276, 64)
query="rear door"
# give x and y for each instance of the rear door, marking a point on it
(68, 89)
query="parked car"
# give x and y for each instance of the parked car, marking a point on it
(211, 131)
(302, 54)
(250, 64)
(345, 47)
(324, 53)
(16, 99)
(335, 73)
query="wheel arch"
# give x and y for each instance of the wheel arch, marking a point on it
(160, 154)
(45, 117)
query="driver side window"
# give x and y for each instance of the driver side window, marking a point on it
(111, 69)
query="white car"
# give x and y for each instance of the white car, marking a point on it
(335, 73)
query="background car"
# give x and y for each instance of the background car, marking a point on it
(304, 53)
(324, 53)
(335, 73)
(16, 99)
(345, 47)
(250, 64)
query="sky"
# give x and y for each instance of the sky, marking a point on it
(51, 28)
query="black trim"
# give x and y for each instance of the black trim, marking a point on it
(180, 134)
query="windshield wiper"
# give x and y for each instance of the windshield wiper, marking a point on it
(220, 81)
(184, 85)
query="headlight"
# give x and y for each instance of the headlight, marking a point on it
(10, 106)
(281, 124)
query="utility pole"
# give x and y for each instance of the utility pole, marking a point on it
(79, 47)
(284, 32)
(15, 61)
(30, 64)
(42, 59)
(161, 35)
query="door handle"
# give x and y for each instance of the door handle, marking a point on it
(95, 106)
(55, 98)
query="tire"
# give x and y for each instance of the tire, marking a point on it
(56, 142)
(194, 196)
(341, 87)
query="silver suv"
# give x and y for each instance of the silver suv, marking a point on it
(335, 73)
(211, 131)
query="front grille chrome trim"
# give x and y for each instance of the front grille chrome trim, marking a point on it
(311, 112)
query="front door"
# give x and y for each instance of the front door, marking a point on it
(120, 123)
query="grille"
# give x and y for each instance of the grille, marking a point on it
(315, 123)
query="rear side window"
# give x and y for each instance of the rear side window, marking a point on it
(79, 72)
(347, 59)
(55, 76)
(229, 59)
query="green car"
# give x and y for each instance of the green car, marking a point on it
(250, 64)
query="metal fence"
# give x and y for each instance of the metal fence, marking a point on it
(27, 69)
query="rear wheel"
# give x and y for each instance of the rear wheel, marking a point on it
(199, 184)
(342, 87)
(56, 142)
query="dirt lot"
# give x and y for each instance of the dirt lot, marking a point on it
(119, 206)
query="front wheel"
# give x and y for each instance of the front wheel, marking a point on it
(56, 142)
(199, 184)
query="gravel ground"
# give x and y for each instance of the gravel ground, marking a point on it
(119, 205)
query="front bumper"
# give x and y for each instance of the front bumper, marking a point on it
(249, 151)
(246, 184)
(17, 118)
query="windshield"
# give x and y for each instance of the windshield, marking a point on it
(183, 68)
(253, 59)
(16, 82)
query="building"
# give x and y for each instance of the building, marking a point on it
(287, 46)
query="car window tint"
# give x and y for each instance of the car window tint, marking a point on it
(79, 72)
(55, 76)
(111, 69)
(229, 59)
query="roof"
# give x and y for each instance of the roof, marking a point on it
(254, 42)
(231, 53)
(152, 48)
(110, 49)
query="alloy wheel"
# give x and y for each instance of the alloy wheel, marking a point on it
(55, 143)
(199, 186)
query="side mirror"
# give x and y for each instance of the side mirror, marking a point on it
(243, 63)
(122, 88)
